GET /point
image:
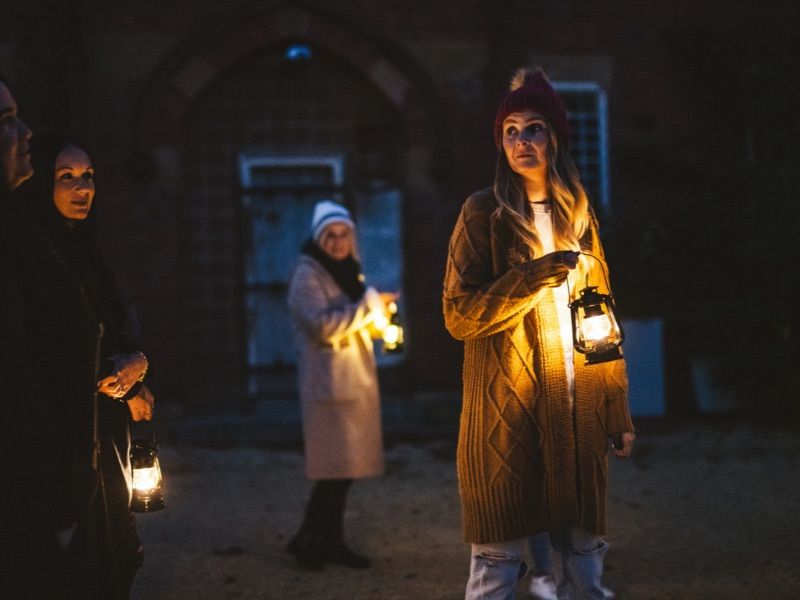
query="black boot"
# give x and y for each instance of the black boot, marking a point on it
(308, 550)
(337, 552)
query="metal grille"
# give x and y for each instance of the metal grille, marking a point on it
(587, 110)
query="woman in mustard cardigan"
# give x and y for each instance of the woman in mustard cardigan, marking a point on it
(536, 421)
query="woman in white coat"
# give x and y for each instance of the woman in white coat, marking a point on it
(333, 313)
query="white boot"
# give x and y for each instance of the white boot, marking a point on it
(542, 587)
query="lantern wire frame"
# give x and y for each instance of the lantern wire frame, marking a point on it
(594, 357)
(148, 492)
(393, 335)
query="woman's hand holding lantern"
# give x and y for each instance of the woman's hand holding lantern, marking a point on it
(551, 270)
(129, 368)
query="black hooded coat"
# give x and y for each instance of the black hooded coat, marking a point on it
(76, 319)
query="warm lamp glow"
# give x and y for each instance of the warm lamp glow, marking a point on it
(146, 479)
(596, 332)
(596, 328)
(147, 493)
(391, 335)
(392, 331)
(380, 321)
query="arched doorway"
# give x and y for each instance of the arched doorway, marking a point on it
(287, 126)
(218, 125)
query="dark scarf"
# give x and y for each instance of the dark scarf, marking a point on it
(346, 272)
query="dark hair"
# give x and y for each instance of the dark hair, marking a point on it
(38, 190)
(74, 241)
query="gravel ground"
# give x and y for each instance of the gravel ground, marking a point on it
(704, 511)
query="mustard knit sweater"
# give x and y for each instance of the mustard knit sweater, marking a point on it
(526, 461)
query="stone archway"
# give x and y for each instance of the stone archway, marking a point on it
(399, 79)
(212, 345)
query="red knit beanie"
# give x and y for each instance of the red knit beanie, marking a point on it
(530, 90)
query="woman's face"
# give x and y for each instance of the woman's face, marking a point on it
(73, 185)
(526, 137)
(337, 241)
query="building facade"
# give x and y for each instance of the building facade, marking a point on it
(216, 126)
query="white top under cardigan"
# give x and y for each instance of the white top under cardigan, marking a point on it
(543, 221)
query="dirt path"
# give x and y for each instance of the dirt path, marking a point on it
(705, 512)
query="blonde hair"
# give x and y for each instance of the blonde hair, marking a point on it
(570, 204)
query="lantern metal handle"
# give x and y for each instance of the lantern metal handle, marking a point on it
(608, 348)
(602, 268)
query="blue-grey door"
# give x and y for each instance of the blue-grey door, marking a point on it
(278, 197)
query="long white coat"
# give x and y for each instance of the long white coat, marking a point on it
(337, 375)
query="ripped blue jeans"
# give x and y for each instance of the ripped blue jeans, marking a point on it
(495, 568)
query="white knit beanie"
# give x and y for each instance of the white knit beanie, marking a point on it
(327, 212)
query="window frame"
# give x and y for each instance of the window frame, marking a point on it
(601, 108)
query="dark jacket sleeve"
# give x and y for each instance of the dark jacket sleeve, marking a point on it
(46, 479)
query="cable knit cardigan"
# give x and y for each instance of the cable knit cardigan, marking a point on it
(527, 461)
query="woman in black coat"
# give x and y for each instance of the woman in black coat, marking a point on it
(91, 371)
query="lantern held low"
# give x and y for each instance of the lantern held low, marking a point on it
(596, 331)
(393, 331)
(148, 495)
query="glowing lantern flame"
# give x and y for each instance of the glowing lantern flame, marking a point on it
(146, 479)
(596, 328)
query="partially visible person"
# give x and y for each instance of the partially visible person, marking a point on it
(536, 420)
(87, 361)
(38, 506)
(15, 159)
(332, 313)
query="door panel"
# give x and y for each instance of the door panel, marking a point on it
(278, 198)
